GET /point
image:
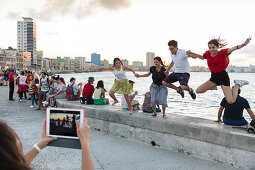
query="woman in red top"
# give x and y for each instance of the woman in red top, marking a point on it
(218, 61)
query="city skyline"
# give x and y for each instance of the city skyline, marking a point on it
(129, 29)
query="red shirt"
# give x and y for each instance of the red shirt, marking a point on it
(28, 79)
(88, 90)
(219, 62)
(11, 77)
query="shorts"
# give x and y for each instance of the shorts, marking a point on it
(183, 78)
(235, 122)
(221, 78)
(43, 95)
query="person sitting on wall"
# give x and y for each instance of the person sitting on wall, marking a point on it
(88, 91)
(233, 113)
(76, 89)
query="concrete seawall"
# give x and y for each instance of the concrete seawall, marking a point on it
(193, 136)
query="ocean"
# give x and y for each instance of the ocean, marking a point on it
(205, 106)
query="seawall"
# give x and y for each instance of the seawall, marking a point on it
(189, 135)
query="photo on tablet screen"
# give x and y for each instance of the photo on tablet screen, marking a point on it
(63, 122)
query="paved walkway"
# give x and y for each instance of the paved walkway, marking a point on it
(109, 152)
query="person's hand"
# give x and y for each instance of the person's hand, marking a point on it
(166, 72)
(247, 41)
(189, 53)
(80, 84)
(136, 92)
(137, 75)
(83, 132)
(218, 120)
(45, 139)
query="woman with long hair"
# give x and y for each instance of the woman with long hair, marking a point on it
(99, 94)
(218, 61)
(32, 90)
(158, 91)
(121, 84)
(11, 149)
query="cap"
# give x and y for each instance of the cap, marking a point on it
(91, 79)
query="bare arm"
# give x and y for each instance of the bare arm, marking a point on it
(104, 68)
(144, 75)
(230, 50)
(251, 114)
(219, 114)
(133, 96)
(169, 67)
(128, 68)
(194, 55)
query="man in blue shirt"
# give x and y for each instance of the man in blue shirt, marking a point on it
(233, 113)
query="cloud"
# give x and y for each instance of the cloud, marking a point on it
(60, 8)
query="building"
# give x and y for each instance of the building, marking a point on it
(61, 62)
(67, 63)
(95, 58)
(149, 59)
(80, 63)
(105, 63)
(39, 55)
(124, 62)
(137, 64)
(26, 39)
(2, 58)
(26, 58)
(46, 63)
(11, 58)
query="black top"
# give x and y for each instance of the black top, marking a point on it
(235, 110)
(157, 77)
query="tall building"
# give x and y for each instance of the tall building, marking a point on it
(80, 62)
(39, 55)
(149, 59)
(95, 58)
(26, 35)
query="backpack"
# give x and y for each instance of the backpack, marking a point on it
(47, 82)
(69, 93)
(146, 107)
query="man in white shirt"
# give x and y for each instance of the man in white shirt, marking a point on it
(181, 72)
(131, 97)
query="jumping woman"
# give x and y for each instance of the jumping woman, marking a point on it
(218, 61)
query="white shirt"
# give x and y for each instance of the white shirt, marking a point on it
(124, 102)
(120, 75)
(181, 62)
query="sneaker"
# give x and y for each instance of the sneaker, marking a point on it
(192, 94)
(20, 100)
(45, 102)
(180, 91)
(164, 115)
(31, 106)
(241, 83)
(153, 115)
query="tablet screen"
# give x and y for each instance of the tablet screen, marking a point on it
(63, 122)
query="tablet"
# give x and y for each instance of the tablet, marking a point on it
(61, 122)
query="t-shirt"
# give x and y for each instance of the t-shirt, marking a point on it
(44, 84)
(181, 62)
(157, 77)
(22, 80)
(124, 102)
(88, 90)
(219, 62)
(235, 110)
(11, 77)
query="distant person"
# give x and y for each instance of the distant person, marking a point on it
(2, 78)
(11, 85)
(131, 96)
(43, 89)
(218, 62)
(158, 91)
(146, 106)
(181, 72)
(6, 73)
(12, 156)
(88, 91)
(233, 113)
(99, 94)
(22, 90)
(32, 90)
(121, 84)
(67, 119)
(73, 91)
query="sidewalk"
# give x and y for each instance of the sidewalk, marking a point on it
(109, 152)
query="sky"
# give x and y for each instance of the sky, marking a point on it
(129, 28)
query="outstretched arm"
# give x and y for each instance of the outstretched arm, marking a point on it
(103, 68)
(230, 50)
(128, 68)
(144, 75)
(194, 55)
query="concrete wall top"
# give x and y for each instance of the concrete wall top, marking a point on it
(184, 126)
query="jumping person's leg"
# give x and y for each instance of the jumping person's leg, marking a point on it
(111, 93)
(169, 80)
(128, 103)
(206, 86)
(230, 94)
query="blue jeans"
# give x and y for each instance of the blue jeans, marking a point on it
(33, 99)
(235, 122)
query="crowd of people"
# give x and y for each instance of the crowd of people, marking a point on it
(45, 88)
